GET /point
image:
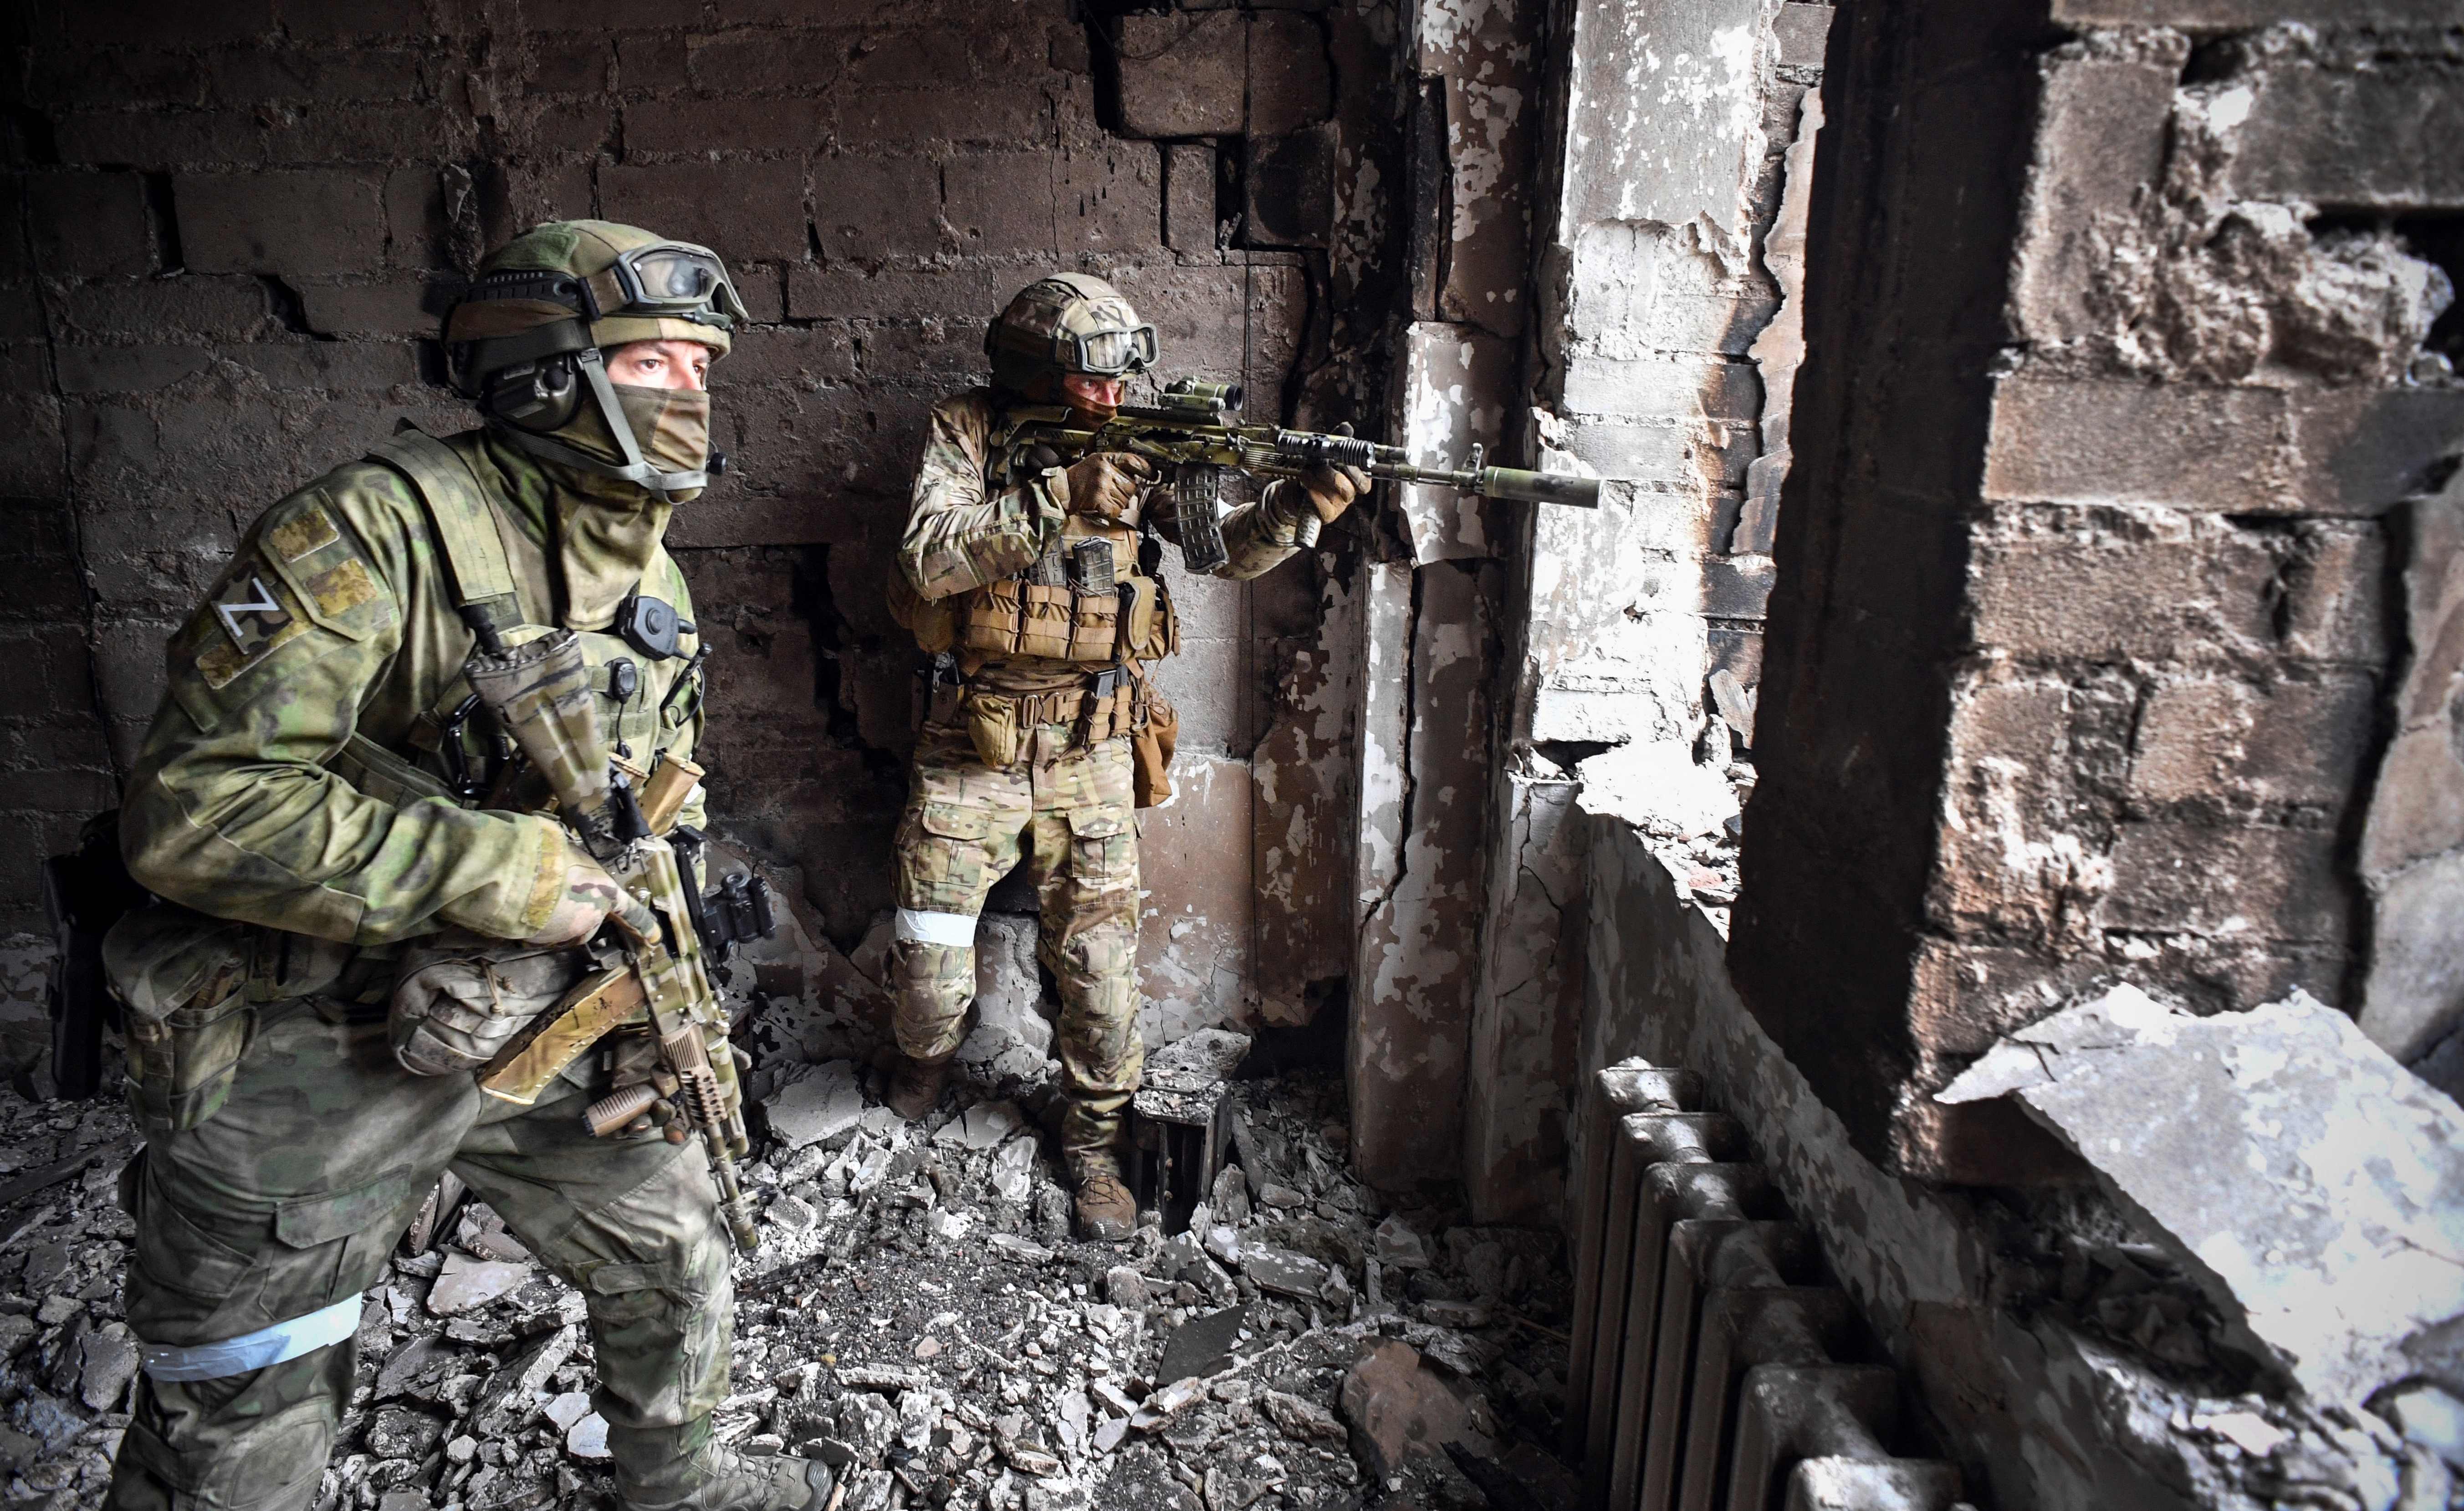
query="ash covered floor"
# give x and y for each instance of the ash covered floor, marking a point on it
(917, 1315)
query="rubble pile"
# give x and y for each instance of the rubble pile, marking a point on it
(66, 1355)
(917, 1315)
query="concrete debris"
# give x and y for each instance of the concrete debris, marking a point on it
(821, 1108)
(2428, 1417)
(910, 1318)
(466, 1285)
(1183, 1078)
(1402, 1411)
(2192, 1123)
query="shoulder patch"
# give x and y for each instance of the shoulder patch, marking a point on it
(340, 590)
(254, 612)
(320, 561)
(305, 532)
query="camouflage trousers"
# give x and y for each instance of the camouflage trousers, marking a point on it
(291, 1199)
(961, 831)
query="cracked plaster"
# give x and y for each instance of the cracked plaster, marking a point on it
(2312, 1185)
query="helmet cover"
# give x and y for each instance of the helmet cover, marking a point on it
(1068, 322)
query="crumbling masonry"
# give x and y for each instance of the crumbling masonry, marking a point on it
(1979, 810)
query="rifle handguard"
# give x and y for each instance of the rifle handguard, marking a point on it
(610, 1114)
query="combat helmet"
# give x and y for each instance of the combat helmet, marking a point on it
(526, 340)
(1066, 323)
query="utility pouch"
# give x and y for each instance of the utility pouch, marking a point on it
(989, 622)
(180, 976)
(944, 690)
(1137, 611)
(459, 998)
(993, 724)
(1151, 747)
(1046, 619)
(932, 621)
(1152, 630)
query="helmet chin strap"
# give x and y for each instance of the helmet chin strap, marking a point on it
(634, 469)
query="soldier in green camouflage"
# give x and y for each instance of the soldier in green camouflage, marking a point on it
(318, 809)
(1033, 584)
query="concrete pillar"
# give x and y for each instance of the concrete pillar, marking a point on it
(1664, 164)
(2080, 641)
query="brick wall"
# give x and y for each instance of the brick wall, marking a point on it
(230, 228)
(2122, 374)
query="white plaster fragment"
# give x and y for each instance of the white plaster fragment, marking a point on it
(2313, 1186)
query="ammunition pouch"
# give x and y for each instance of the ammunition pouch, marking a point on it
(182, 977)
(460, 998)
(993, 724)
(1066, 606)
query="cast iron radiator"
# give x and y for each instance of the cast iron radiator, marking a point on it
(1712, 1367)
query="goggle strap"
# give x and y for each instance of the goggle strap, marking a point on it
(609, 291)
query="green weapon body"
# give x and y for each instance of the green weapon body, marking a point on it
(1192, 438)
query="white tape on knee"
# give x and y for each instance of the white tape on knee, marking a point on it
(935, 928)
(267, 1346)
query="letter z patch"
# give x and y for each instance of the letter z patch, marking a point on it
(254, 620)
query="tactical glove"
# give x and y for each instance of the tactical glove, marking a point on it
(460, 997)
(1107, 484)
(1331, 489)
(591, 895)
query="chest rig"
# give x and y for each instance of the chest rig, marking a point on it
(1091, 598)
(646, 669)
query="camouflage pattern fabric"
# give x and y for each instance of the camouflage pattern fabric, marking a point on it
(965, 821)
(963, 533)
(961, 832)
(335, 618)
(291, 1199)
(335, 626)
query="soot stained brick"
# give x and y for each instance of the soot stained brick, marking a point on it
(748, 210)
(868, 208)
(89, 225)
(279, 222)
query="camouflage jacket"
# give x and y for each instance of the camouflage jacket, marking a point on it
(253, 800)
(964, 532)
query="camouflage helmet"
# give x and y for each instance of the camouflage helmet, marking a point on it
(1068, 322)
(526, 340)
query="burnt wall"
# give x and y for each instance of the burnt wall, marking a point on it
(2126, 370)
(230, 230)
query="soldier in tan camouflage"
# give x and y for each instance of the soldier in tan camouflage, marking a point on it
(322, 810)
(1033, 584)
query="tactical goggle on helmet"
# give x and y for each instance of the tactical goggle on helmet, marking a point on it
(1108, 353)
(1068, 322)
(525, 339)
(667, 280)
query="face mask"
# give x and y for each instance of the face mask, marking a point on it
(672, 427)
(608, 531)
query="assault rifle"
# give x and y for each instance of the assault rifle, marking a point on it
(1193, 440)
(651, 963)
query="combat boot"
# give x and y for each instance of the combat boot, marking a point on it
(915, 1086)
(681, 1469)
(1105, 1208)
